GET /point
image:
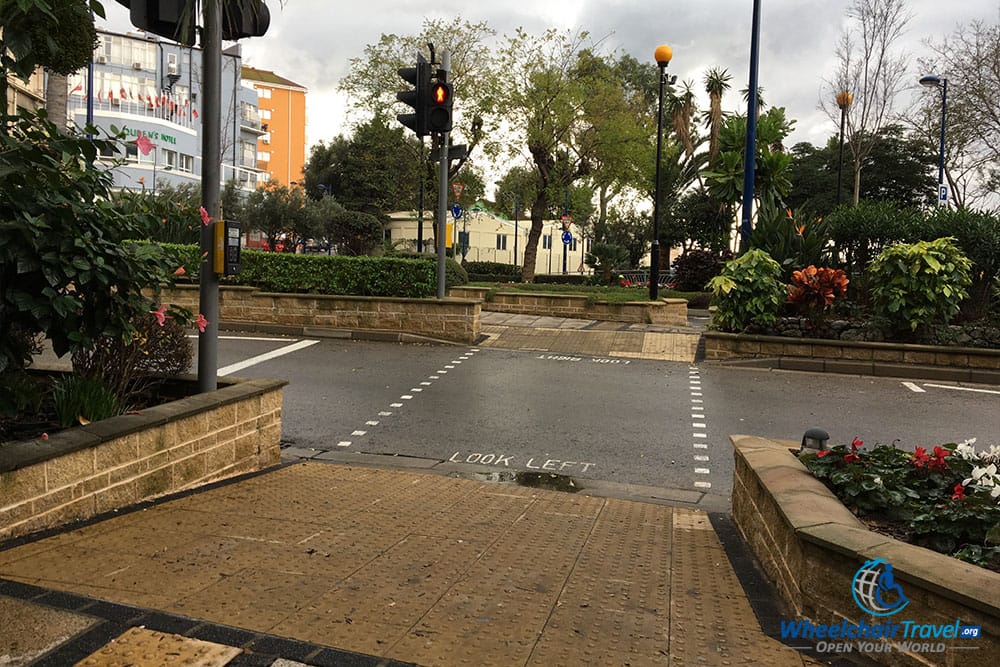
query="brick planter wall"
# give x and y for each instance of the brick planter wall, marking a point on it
(80, 472)
(450, 319)
(861, 358)
(810, 545)
(668, 312)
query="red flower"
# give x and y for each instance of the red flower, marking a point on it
(851, 458)
(856, 444)
(959, 492)
(160, 314)
(201, 322)
(920, 457)
(205, 217)
(822, 453)
(180, 271)
(144, 144)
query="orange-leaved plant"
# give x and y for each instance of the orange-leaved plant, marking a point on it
(817, 287)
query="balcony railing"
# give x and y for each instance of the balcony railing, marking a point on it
(163, 108)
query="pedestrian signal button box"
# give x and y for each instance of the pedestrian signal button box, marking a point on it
(226, 261)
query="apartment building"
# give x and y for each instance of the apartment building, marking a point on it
(281, 148)
(150, 89)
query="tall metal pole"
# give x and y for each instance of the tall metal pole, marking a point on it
(750, 155)
(840, 160)
(565, 228)
(420, 199)
(944, 106)
(208, 294)
(654, 254)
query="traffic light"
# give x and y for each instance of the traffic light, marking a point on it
(419, 77)
(238, 23)
(166, 18)
(439, 103)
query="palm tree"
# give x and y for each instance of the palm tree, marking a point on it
(760, 98)
(681, 108)
(716, 84)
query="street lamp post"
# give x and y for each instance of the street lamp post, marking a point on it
(663, 54)
(844, 100)
(935, 81)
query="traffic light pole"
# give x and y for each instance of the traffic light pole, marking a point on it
(208, 294)
(442, 222)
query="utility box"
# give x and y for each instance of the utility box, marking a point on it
(226, 261)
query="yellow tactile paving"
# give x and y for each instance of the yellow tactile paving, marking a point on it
(139, 647)
(423, 568)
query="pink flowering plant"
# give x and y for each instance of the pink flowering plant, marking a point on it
(945, 498)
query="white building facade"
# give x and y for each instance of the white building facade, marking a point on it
(150, 88)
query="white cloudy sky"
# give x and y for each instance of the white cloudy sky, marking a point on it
(311, 41)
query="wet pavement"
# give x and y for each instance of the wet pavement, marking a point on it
(327, 563)
(331, 564)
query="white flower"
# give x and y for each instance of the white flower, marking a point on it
(878, 481)
(966, 450)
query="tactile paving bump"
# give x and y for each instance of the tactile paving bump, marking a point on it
(139, 647)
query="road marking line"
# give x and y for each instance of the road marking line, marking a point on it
(448, 366)
(694, 416)
(700, 458)
(698, 425)
(699, 435)
(385, 413)
(425, 384)
(344, 443)
(441, 373)
(696, 393)
(267, 356)
(697, 400)
(474, 349)
(707, 485)
(268, 340)
(700, 445)
(371, 423)
(358, 432)
(913, 387)
(395, 405)
(433, 377)
(416, 389)
(406, 397)
(949, 386)
(702, 471)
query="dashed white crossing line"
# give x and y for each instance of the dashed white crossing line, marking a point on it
(912, 386)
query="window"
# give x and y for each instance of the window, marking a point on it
(187, 163)
(263, 156)
(265, 114)
(264, 93)
(547, 242)
(501, 241)
(169, 159)
(572, 247)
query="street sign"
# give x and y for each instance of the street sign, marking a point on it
(943, 193)
(566, 221)
(456, 211)
(567, 237)
(458, 189)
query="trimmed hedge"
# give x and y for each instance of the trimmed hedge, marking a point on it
(493, 278)
(558, 279)
(327, 274)
(493, 268)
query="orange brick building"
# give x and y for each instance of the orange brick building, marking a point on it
(281, 151)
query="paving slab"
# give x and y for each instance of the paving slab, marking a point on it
(29, 630)
(416, 567)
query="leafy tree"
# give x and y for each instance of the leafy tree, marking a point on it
(354, 232)
(376, 170)
(277, 211)
(870, 69)
(65, 270)
(607, 259)
(717, 82)
(628, 229)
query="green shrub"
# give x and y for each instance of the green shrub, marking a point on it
(694, 269)
(793, 243)
(978, 235)
(558, 279)
(454, 274)
(337, 274)
(861, 232)
(748, 291)
(81, 400)
(494, 268)
(919, 284)
(129, 366)
(607, 259)
(493, 278)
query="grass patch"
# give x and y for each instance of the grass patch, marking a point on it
(592, 292)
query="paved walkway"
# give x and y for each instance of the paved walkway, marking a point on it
(592, 337)
(329, 564)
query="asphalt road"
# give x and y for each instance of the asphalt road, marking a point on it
(638, 422)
